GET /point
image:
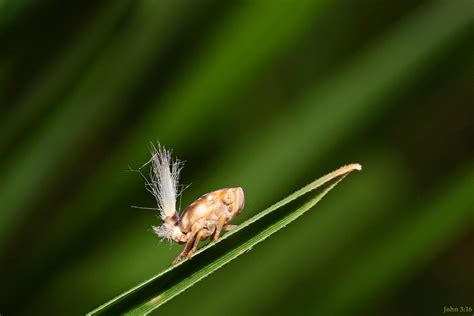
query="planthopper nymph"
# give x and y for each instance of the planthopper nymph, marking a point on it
(205, 217)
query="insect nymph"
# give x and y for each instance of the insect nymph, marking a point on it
(205, 217)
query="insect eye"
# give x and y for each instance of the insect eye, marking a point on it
(228, 199)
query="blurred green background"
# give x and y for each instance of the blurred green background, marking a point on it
(267, 95)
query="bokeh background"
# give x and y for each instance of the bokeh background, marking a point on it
(267, 95)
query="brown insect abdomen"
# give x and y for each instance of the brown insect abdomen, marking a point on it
(202, 208)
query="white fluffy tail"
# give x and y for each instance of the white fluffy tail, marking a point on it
(164, 177)
(163, 184)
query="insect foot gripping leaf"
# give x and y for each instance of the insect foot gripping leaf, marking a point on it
(205, 217)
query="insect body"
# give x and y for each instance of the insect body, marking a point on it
(205, 217)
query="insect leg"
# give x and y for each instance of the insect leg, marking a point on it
(195, 229)
(220, 224)
(198, 238)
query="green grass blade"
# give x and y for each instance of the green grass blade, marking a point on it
(408, 248)
(154, 292)
(339, 223)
